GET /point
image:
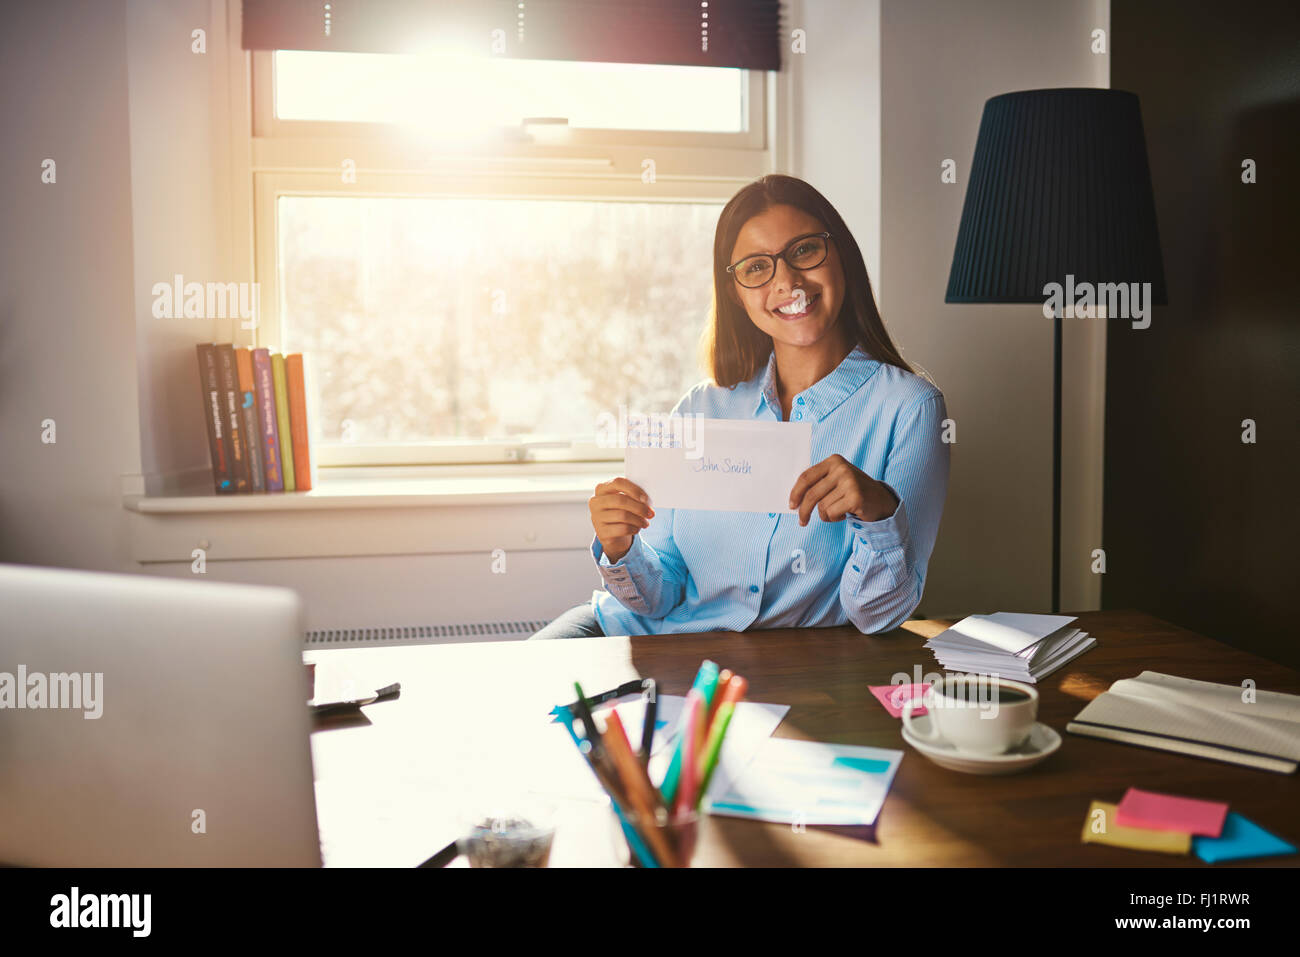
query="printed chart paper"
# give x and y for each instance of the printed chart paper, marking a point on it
(808, 782)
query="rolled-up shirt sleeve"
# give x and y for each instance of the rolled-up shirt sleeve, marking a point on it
(884, 578)
(651, 578)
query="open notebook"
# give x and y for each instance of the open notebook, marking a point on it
(1199, 718)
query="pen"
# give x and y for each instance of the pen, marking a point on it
(626, 688)
(641, 794)
(443, 857)
(690, 766)
(634, 841)
(584, 715)
(724, 676)
(735, 691)
(596, 753)
(706, 677)
(616, 800)
(651, 712)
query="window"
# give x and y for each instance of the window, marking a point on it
(461, 92)
(474, 281)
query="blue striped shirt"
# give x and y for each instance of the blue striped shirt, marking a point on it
(693, 570)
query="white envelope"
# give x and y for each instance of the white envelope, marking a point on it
(733, 465)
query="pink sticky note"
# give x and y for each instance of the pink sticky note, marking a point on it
(1167, 812)
(893, 697)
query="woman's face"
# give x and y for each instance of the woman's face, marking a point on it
(818, 291)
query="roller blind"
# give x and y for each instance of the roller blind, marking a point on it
(741, 34)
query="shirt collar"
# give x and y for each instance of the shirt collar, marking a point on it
(824, 396)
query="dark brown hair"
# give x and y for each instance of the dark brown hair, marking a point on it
(733, 349)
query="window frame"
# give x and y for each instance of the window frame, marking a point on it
(304, 158)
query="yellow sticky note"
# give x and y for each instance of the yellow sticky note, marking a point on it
(1100, 828)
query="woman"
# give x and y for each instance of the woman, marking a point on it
(794, 334)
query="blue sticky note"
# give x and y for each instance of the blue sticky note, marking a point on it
(1240, 839)
(869, 765)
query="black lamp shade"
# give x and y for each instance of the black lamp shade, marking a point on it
(1059, 186)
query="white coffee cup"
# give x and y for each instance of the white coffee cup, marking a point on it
(976, 714)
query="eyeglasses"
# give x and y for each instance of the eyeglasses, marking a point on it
(805, 252)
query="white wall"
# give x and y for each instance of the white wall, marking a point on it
(67, 335)
(835, 100)
(173, 201)
(912, 76)
(941, 60)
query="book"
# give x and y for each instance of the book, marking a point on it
(248, 418)
(1200, 718)
(268, 423)
(1021, 647)
(218, 441)
(230, 406)
(282, 420)
(295, 379)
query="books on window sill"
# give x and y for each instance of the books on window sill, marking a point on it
(1258, 729)
(256, 406)
(1020, 647)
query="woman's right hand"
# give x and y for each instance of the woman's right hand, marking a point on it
(619, 510)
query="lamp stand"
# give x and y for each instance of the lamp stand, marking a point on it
(1056, 462)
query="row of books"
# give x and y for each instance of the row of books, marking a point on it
(255, 407)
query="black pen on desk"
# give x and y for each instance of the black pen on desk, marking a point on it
(600, 761)
(585, 716)
(651, 712)
(443, 857)
(355, 704)
(626, 688)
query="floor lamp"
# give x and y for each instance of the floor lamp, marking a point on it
(1059, 192)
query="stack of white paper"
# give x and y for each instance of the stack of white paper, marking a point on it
(1016, 646)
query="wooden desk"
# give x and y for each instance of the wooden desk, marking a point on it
(471, 715)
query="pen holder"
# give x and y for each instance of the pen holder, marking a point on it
(634, 838)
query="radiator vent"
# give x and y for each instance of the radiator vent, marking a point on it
(423, 634)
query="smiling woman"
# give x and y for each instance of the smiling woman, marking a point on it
(794, 335)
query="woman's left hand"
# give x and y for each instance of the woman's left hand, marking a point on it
(837, 488)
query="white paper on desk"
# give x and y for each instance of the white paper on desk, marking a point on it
(395, 824)
(733, 465)
(1010, 631)
(806, 782)
(752, 723)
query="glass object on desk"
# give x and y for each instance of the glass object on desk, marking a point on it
(678, 836)
(517, 832)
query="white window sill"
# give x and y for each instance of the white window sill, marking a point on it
(377, 512)
(501, 487)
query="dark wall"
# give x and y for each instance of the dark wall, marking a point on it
(1200, 528)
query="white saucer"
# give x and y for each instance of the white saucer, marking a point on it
(1043, 741)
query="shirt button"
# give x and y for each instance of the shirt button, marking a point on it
(799, 400)
(798, 415)
(753, 588)
(771, 514)
(856, 568)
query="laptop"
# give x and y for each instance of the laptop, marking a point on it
(152, 722)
